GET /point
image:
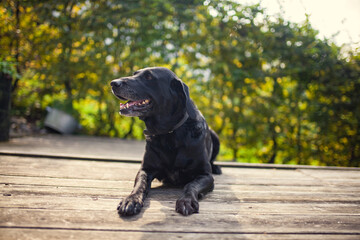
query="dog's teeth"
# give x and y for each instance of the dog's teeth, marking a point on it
(127, 105)
(143, 102)
(147, 101)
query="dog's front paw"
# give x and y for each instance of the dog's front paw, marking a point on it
(130, 206)
(187, 206)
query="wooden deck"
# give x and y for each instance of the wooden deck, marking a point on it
(56, 187)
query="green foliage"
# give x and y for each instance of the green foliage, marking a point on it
(8, 67)
(272, 89)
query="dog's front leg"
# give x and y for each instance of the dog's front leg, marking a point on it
(132, 204)
(188, 203)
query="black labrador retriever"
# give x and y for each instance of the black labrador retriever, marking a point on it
(180, 147)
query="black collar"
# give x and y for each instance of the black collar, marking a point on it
(179, 124)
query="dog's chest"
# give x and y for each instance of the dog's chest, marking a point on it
(169, 148)
(174, 167)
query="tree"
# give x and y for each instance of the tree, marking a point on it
(7, 74)
(272, 89)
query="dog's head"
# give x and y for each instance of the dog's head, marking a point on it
(153, 93)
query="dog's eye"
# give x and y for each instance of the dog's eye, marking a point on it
(147, 75)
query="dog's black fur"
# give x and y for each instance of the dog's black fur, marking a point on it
(180, 147)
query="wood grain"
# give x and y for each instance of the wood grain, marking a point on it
(45, 198)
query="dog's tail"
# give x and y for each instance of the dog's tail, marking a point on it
(216, 147)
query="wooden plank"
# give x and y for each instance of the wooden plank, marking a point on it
(76, 146)
(174, 222)
(61, 234)
(105, 170)
(67, 182)
(128, 184)
(321, 176)
(282, 166)
(12, 193)
(67, 169)
(106, 149)
(155, 205)
(47, 197)
(174, 193)
(332, 175)
(51, 165)
(122, 171)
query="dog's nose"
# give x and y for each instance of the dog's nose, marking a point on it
(115, 83)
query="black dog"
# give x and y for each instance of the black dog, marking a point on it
(180, 147)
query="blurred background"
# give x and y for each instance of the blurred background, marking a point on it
(279, 81)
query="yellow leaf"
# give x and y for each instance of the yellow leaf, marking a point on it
(237, 63)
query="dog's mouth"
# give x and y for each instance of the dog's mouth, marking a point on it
(135, 108)
(133, 105)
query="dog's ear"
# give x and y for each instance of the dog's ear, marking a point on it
(183, 91)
